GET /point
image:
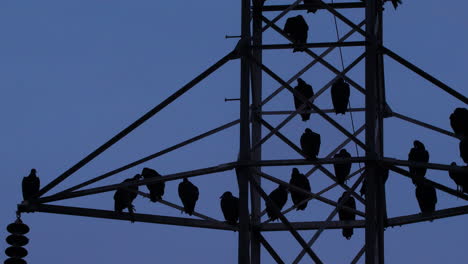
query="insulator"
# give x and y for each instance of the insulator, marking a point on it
(17, 240)
(16, 252)
(18, 228)
(15, 261)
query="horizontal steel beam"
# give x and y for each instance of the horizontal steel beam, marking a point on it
(314, 45)
(416, 218)
(433, 166)
(426, 125)
(270, 8)
(310, 111)
(145, 218)
(300, 162)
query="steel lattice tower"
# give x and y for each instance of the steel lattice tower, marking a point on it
(249, 164)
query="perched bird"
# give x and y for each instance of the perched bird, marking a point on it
(464, 149)
(346, 215)
(426, 195)
(418, 154)
(123, 197)
(296, 28)
(340, 96)
(342, 170)
(313, 10)
(30, 185)
(188, 194)
(382, 171)
(156, 189)
(460, 178)
(279, 196)
(299, 180)
(230, 208)
(306, 91)
(459, 122)
(310, 144)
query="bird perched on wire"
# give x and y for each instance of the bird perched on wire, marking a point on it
(123, 197)
(307, 92)
(296, 28)
(299, 180)
(345, 215)
(426, 196)
(342, 170)
(188, 194)
(340, 96)
(156, 189)
(460, 178)
(310, 144)
(30, 185)
(230, 208)
(459, 122)
(279, 197)
(418, 154)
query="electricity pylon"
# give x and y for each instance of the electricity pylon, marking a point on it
(249, 163)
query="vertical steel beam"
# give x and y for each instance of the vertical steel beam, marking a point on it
(374, 222)
(256, 80)
(244, 142)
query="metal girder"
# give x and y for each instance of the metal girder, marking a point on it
(308, 66)
(146, 218)
(136, 124)
(425, 75)
(300, 162)
(170, 177)
(314, 225)
(269, 248)
(310, 194)
(359, 255)
(417, 218)
(310, 111)
(152, 156)
(433, 166)
(314, 45)
(434, 184)
(285, 221)
(270, 8)
(426, 125)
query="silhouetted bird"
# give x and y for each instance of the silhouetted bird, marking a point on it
(464, 149)
(459, 122)
(306, 91)
(313, 10)
(296, 28)
(342, 170)
(123, 197)
(230, 208)
(30, 185)
(156, 189)
(299, 180)
(382, 171)
(460, 179)
(346, 215)
(310, 144)
(418, 154)
(340, 96)
(426, 195)
(279, 196)
(188, 194)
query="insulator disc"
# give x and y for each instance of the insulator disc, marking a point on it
(17, 240)
(16, 252)
(18, 228)
(15, 261)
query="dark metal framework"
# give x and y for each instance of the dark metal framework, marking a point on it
(249, 163)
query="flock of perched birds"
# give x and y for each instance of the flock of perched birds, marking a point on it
(310, 145)
(297, 28)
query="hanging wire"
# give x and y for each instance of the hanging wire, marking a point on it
(342, 69)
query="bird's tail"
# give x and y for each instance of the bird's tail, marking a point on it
(348, 233)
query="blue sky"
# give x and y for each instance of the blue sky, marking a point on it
(74, 73)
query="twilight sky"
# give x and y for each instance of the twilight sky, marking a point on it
(74, 73)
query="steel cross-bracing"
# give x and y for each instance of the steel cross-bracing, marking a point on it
(248, 165)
